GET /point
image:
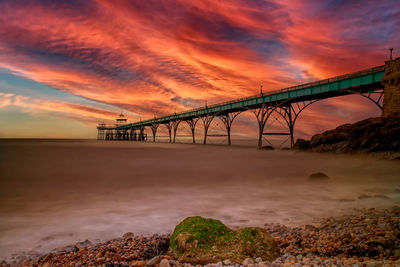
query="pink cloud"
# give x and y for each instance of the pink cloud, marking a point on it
(153, 57)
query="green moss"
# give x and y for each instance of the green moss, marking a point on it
(202, 240)
(206, 231)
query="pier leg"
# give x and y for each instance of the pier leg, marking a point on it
(192, 124)
(290, 125)
(262, 115)
(141, 133)
(154, 130)
(169, 127)
(206, 121)
(175, 128)
(290, 112)
(227, 119)
(175, 125)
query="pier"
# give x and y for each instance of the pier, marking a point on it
(373, 83)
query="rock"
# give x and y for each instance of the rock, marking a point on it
(155, 260)
(258, 260)
(267, 148)
(381, 196)
(227, 262)
(70, 248)
(302, 144)
(371, 135)
(201, 240)
(128, 236)
(347, 200)
(164, 263)
(185, 241)
(318, 176)
(83, 244)
(247, 261)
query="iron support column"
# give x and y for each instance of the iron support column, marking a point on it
(192, 124)
(206, 121)
(227, 119)
(154, 130)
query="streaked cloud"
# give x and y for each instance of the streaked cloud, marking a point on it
(153, 57)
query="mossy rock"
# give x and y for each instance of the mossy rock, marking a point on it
(202, 240)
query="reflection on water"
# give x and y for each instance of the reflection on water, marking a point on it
(53, 193)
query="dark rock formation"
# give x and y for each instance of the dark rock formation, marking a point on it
(379, 134)
(318, 176)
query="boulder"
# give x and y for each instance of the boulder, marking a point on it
(155, 260)
(201, 240)
(267, 148)
(318, 176)
(164, 263)
(128, 236)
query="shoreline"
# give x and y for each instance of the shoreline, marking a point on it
(366, 237)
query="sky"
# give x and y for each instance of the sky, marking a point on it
(66, 66)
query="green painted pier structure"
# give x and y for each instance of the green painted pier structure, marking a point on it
(289, 103)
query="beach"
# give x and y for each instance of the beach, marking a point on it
(55, 193)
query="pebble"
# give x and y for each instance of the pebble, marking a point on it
(155, 260)
(164, 263)
(367, 238)
(227, 262)
(247, 261)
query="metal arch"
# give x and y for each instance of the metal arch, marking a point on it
(368, 95)
(206, 121)
(142, 136)
(175, 125)
(192, 124)
(227, 119)
(169, 127)
(262, 114)
(292, 109)
(154, 128)
(132, 135)
(287, 111)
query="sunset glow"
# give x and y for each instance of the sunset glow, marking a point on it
(83, 62)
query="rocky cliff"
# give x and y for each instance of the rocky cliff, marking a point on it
(381, 134)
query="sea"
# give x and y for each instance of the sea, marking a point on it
(58, 192)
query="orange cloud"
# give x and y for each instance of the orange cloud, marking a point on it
(153, 57)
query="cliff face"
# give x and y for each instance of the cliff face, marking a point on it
(380, 134)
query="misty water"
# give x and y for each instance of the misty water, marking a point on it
(57, 192)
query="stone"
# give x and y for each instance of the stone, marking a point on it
(381, 196)
(155, 260)
(318, 176)
(267, 148)
(83, 244)
(391, 82)
(164, 263)
(202, 240)
(247, 261)
(258, 260)
(185, 241)
(128, 236)
(227, 262)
